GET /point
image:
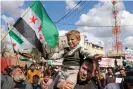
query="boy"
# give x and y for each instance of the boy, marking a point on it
(73, 56)
(35, 84)
(47, 81)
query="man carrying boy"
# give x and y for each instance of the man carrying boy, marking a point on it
(73, 57)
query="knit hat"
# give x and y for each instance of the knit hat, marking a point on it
(129, 76)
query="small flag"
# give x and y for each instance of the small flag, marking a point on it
(15, 37)
(13, 44)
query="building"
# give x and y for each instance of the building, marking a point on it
(62, 42)
(91, 46)
(114, 54)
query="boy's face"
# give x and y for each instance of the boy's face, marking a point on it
(35, 80)
(72, 41)
(46, 78)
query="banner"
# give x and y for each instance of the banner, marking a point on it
(107, 62)
(129, 57)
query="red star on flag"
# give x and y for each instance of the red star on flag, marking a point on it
(33, 19)
(40, 36)
(39, 28)
(13, 44)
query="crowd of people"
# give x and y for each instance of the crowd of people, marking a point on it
(79, 70)
(34, 78)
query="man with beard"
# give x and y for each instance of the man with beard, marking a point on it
(17, 80)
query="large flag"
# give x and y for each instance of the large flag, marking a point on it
(36, 26)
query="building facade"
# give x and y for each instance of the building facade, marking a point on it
(94, 48)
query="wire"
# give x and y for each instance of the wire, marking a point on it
(80, 11)
(82, 3)
(75, 12)
(68, 12)
(94, 26)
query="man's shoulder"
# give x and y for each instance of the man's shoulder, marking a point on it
(6, 78)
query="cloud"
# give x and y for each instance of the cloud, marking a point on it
(62, 32)
(6, 40)
(129, 42)
(70, 4)
(14, 8)
(9, 20)
(101, 15)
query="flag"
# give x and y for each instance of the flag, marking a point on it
(15, 37)
(24, 59)
(13, 44)
(18, 42)
(36, 26)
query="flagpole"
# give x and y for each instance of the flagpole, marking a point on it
(7, 33)
(11, 40)
(13, 46)
(15, 23)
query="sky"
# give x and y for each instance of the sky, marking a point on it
(87, 17)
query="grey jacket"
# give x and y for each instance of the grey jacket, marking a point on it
(84, 52)
(113, 86)
(8, 83)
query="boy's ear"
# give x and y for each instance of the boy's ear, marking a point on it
(78, 40)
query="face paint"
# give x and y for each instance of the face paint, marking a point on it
(72, 41)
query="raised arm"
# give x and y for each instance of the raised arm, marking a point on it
(86, 53)
(57, 55)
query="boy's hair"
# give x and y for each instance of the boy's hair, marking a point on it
(110, 68)
(47, 72)
(32, 65)
(36, 76)
(75, 33)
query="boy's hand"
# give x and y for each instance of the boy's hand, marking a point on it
(68, 85)
(98, 57)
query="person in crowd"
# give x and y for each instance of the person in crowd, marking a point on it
(41, 68)
(110, 76)
(55, 71)
(73, 57)
(126, 84)
(17, 80)
(31, 72)
(7, 71)
(85, 80)
(99, 79)
(35, 84)
(122, 73)
(25, 69)
(47, 81)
